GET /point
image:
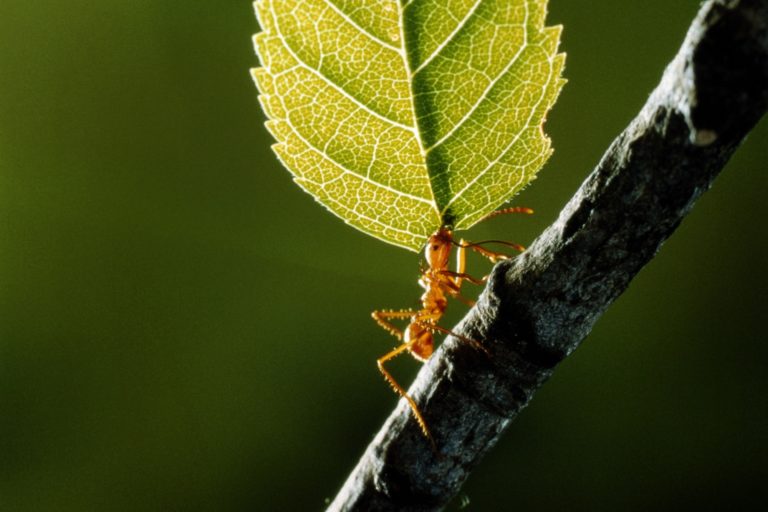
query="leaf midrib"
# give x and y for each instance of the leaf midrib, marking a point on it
(490, 86)
(448, 39)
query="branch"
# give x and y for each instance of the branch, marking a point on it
(538, 307)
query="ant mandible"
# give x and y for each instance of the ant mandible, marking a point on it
(438, 283)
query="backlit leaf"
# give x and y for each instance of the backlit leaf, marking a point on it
(401, 116)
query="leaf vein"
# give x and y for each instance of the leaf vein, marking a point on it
(363, 31)
(357, 175)
(448, 39)
(375, 221)
(487, 90)
(506, 149)
(333, 84)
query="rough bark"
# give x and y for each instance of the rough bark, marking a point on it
(538, 307)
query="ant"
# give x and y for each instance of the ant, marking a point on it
(438, 283)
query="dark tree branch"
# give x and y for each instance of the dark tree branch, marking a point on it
(538, 307)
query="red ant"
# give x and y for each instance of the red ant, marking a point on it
(438, 283)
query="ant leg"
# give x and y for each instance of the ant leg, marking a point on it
(453, 285)
(463, 275)
(382, 318)
(459, 297)
(474, 343)
(461, 264)
(452, 289)
(493, 255)
(400, 391)
(504, 211)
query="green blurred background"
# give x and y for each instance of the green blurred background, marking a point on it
(181, 328)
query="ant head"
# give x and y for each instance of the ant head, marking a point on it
(438, 248)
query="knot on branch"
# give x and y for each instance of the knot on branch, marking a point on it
(719, 79)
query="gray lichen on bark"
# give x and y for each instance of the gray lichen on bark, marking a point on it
(537, 308)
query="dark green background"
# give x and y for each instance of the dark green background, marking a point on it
(181, 328)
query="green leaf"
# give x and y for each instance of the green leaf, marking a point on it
(401, 116)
